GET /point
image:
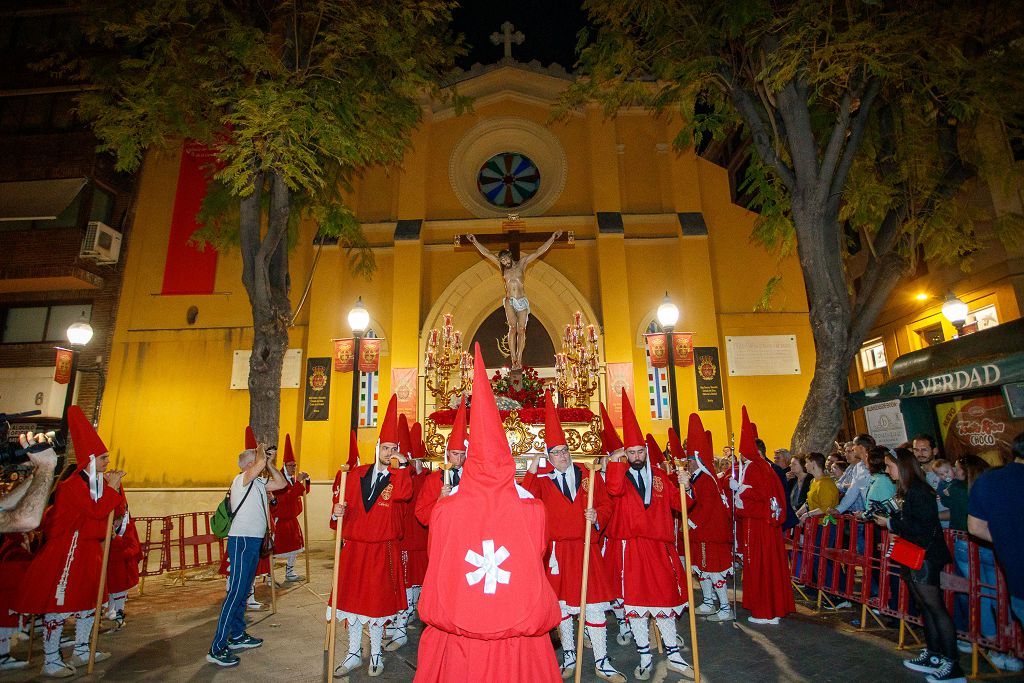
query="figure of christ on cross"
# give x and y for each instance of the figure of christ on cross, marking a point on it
(517, 306)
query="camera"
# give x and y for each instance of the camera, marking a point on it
(14, 461)
(884, 508)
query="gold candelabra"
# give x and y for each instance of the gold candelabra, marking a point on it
(576, 365)
(449, 368)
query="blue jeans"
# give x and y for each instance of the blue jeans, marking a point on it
(243, 555)
(987, 574)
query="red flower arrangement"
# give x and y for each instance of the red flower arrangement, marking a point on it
(531, 395)
(445, 418)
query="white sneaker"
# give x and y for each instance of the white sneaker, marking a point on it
(964, 646)
(58, 670)
(845, 604)
(352, 662)
(724, 614)
(705, 608)
(9, 663)
(773, 621)
(292, 577)
(376, 666)
(1005, 662)
(253, 605)
(80, 660)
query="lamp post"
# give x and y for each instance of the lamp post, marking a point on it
(358, 320)
(79, 334)
(668, 316)
(955, 311)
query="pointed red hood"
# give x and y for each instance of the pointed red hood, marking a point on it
(553, 434)
(389, 426)
(696, 443)
(289, 455)
(87, 442)
(416, 440)
(675, 446)
(250, 439)
(457, 438)
(610, 440)
(748, 437)
(353, 451)
(631, 434)
(404, 439)
(489, 469)
(654, 453)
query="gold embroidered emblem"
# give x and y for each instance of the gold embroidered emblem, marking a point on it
(386, 493)
(658, 486)
(586, 484)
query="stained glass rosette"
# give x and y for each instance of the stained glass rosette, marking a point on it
(508, 179)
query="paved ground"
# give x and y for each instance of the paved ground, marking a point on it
(169, 631)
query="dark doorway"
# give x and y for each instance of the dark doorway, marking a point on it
(539, 352)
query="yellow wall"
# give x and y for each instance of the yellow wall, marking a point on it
(168, 412)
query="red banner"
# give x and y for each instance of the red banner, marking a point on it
(405, 385)
(189, 268)
(657, 347)
(619, 376)
(682, 349)
(369, 355)
(62, 373)
(344, 354)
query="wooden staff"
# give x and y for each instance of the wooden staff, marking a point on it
(99, 594)
(270, 562)
(305, 532)
(593, 467)
(332, 623)
(686, 574)
(31, 635)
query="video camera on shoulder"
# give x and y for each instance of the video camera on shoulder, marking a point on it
(884, 508)
(14, 461)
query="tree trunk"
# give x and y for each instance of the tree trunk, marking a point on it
(265, 275)
(822, 413)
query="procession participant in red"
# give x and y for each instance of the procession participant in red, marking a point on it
(286, 508)
(413, 544)
(710, 522)
(434, 487)
(642, 540)
(15, 558)
(564, 494)
(759, 501)
(486, 603)
(64, 576)
(611, 446)
(123, 564)
(372, 591)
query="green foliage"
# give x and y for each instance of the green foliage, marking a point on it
(313, 91)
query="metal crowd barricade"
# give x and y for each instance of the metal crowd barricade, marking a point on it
(152, 533)
(191, 543)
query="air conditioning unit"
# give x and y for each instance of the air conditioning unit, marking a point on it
(101, 244)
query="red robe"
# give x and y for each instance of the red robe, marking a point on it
(286, 509)
(413, 545)
(14, 562)
(370, 567)
(566, 528)
(123, 565)
(647, 571)
(65, 574)
(428, 496)
(767, 591)
(710, 518)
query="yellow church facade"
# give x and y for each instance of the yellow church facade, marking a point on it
(645, 220)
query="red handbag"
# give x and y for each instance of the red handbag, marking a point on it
(904, 552)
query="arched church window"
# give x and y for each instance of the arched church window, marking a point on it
(657, 381)
(508, 179)
(368, 387)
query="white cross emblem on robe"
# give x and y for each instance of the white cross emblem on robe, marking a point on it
(488, 567)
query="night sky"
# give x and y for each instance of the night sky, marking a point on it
(550, 27)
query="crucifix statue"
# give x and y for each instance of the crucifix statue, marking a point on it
(508, 37)
(513, 272)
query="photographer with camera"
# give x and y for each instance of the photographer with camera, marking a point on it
(21, 510)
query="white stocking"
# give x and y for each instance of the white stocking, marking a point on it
(706, 591)
(598, 632)
(118, 601)
(667, 626)
(376, 638)
(642, 638)
(83, 631)
(5, 641)
(53, 627)
(723, 595)
(565, 633)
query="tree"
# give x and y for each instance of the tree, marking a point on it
(294, 98)
(871, 119)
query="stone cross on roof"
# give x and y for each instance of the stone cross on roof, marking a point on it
(508, 36)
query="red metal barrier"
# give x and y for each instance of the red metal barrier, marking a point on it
(152, 533)
(191, 544)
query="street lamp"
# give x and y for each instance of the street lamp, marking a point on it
(358, 320)
(79, 334)
(955, 311)
(668, 316)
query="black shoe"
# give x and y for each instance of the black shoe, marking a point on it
(926, 662)
(949, 672)
(222, 658)
(244, 642)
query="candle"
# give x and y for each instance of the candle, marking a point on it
(567, 333)
(592, 333)
(433, 337)
(577, 317)
(458, 338)
(447, 319)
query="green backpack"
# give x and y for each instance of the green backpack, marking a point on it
(220, 523)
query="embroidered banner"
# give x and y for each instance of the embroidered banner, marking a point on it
(657, 348)
(682, 349)
(318, 390)
(187, 268)
(369, 355)
(709, 378)
(62, 372)
(619, 376)
(344, 353)
(405, 385)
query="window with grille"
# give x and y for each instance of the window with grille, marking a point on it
(872, 355)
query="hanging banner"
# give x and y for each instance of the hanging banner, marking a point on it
(657, 348)
(369, 355)
(682, 349)
(344, 355)
(405, 385)
(318, 390)
(709, 378)
(62, 372)
(619, 376)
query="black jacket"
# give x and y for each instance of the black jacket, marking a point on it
(918, 522)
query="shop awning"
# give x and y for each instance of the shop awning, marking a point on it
(29, 200)
(990, 358)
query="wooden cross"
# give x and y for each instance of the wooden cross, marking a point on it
(508, 37)
(514, 237)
